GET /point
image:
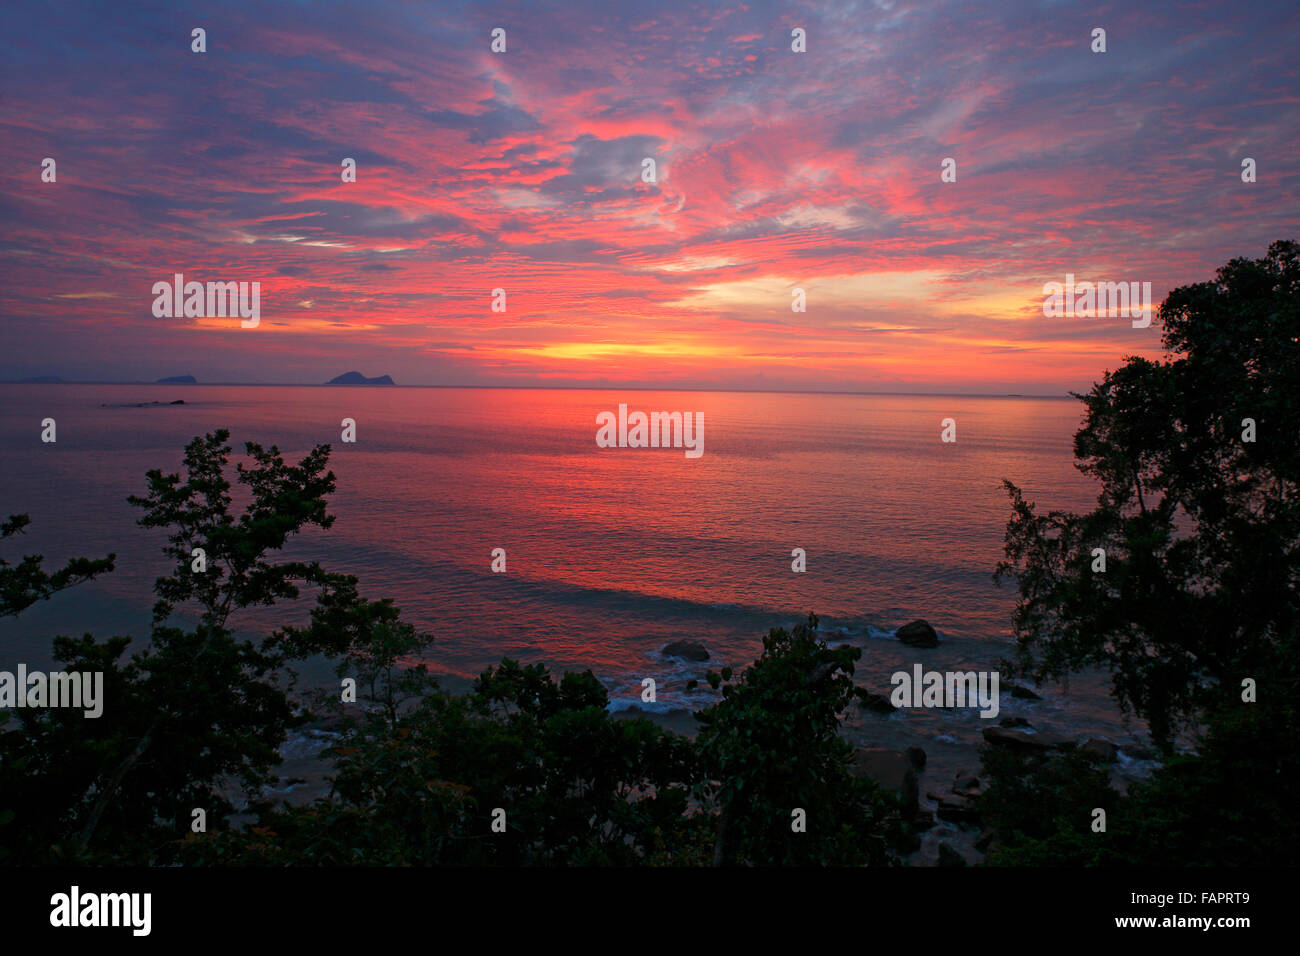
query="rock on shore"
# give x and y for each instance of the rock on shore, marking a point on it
(686, 650)
(1026, 742)
(876, 702)
(917, 633)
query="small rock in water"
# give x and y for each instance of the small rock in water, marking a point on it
(1023, 693)
(1104, 749)
(917, 633)
(876, 702)
(686, 650)
(1013, 722)
(1020, 740)
(955, 808)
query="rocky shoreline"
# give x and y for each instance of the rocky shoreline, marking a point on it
(939, 798)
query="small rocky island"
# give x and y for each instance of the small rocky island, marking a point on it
(356, 378)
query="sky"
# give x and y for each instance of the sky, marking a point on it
(522, 170)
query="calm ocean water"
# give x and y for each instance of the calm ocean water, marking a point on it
(611, 552)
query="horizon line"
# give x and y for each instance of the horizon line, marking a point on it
(558, 388)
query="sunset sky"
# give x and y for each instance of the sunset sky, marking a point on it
(522, 171)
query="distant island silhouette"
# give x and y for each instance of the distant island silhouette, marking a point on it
(177, 380)
(356, 378)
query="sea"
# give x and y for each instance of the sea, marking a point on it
(610, 553)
